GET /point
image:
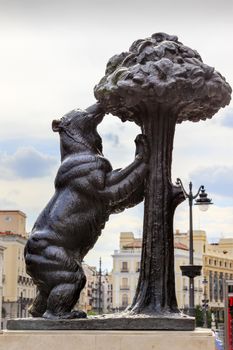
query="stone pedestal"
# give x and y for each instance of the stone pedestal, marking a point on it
(108, 322)
(200, 339)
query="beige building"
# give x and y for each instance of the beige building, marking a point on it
(13, 221)
(1, 281)
(217, 262)
(18, 288)
(97, 293)
(86, 297)
(218, 267)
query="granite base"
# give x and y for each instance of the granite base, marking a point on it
(200, 339)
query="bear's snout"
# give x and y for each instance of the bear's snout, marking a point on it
(56, 125)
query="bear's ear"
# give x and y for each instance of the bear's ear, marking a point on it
(56, 125)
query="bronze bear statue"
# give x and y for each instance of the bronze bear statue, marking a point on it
(87, 191)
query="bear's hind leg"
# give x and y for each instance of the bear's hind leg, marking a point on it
(39, 305)
(64, 296)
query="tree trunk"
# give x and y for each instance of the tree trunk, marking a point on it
(155, 292)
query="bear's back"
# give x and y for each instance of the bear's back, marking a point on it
(82, 168)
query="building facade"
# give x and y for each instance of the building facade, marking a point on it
(181, 254)
(18, 287)
(96, 296)
(13, 221)
(125, 273)
(1, 282)
(126, 268)
(216, 261)
(217, 268)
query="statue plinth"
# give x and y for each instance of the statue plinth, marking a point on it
(107, 322)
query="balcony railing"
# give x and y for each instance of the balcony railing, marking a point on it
(25, 280)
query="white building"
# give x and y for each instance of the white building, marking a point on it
(181, 254)
(125, 273)
(126, 267)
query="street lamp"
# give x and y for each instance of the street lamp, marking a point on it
(191, 270)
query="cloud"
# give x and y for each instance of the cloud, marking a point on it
(216, 179)
(227, 119)
(44, 145)
(7, 204)
(111, 137)
(216, 221)
(118, 140)
(54, 52)
(26, 163)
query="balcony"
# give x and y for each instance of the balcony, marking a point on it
(124, 270)
(135, 251)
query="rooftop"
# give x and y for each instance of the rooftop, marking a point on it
(13, 211)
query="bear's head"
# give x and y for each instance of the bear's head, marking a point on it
(78, 130)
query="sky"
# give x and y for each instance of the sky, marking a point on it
(53, 53)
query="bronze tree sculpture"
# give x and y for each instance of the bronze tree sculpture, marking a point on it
(87, 191)
(160, 82)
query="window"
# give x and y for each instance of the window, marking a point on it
(220, 286)
(211, 285)
(216, 286)
(125, 300)
(124, 282)
(124, 267)
(138, 266)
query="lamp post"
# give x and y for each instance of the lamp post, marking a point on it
(191, 270)
(205, 303)
(21, 303)
(100, 286)
(100, 294)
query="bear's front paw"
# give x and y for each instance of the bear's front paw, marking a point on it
(142, 148)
